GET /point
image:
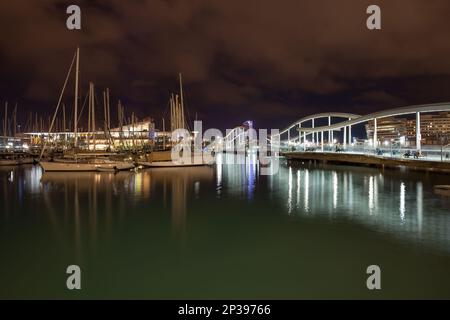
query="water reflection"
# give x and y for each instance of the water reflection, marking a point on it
(402, 201)
(306, 188)
(335, 190)
(371, 195)
(387, 203)
(93, 206)
(90, 205)
(290, 191)
(419, 205)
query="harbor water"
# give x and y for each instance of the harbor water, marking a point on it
(224, 231)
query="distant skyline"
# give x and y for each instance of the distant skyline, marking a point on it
(269, 61)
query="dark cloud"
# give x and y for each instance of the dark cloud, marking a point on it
(272, 61)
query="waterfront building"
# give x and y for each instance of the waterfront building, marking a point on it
(435, 129)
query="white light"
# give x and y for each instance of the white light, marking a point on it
(386, 143)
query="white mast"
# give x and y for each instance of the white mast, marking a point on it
(5, 124)
(57, 107)
(76, 97)
(182, 103)
(172, 114)
(94, 128)
(177, 112)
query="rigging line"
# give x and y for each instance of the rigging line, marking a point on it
(166, 109)
(97, 103)
(57, 106)
(188, 114)
(82, 108)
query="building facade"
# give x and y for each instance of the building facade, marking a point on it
(434, 128)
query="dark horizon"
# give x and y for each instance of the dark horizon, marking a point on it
(269, 62)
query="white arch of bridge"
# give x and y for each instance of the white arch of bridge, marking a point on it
(298, 125)
(415, 109)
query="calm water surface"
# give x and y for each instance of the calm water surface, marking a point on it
(224, 232)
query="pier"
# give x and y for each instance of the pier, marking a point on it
(368, 160)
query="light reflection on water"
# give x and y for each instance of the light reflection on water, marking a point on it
(401, 205)
(397, 204)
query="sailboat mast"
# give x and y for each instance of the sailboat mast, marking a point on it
(105, 115)
(5, 123)
(177, 113)
(94, 129)
(164, 133)
(52, 122)
(64, 124)
(171, 113)
(15, 121)
(108, 108)
(88, 136)
(76, 98)
(182, 103)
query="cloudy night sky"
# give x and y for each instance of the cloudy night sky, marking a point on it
(266, 60)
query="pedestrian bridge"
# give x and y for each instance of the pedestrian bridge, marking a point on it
(304, 131)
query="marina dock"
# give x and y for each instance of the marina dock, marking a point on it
(368, 160)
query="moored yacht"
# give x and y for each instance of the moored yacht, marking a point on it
(101, 165)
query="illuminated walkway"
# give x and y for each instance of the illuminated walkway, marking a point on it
(299, 135)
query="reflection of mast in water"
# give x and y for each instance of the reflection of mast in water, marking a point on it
(93, 210)
(179, 187)
(179, 184)
(77, 223)
(5, 199)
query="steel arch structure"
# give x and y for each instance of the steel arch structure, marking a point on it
(353, 119)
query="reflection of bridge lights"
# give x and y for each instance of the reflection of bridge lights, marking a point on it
(402, 201)
(290, 191)
(335, 189)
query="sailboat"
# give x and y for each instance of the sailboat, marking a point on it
(14, 160)
(12, 150)
(163, 159)
(81, 163)
(100, 165)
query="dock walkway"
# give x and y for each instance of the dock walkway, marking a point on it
(369, 160)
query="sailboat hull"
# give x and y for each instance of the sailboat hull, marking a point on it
(16, 162)
(85, 167)
(9, 162)
(168, 164)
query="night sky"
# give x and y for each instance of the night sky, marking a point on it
(266, 60)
